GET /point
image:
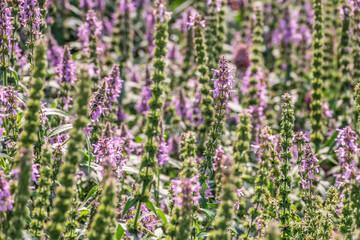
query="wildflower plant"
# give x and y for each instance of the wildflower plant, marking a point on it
(24, 156)
(106, 135)
(152, 127)
(222, 93)
(286, 155)
(64, 193)
(316, 103)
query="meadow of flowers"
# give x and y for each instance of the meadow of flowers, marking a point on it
(179, 119)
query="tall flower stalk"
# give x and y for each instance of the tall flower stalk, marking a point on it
(347, 154)
(207, 110)
(122, 34)
(65, 192)
(287, 124)
(67, 78)
(308, 170)
(42, 203)
(228, 198)
(152, 129)
(316, 83)
(186, 197)
(211, 34)
(356, 33)
(344, 65)
(25, 154)
(223, 83)
(103, 226)
(89, 34)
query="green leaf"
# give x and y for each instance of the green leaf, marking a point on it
(15, 75)
(130, 203)
(138, 139)
(120, 230)
(203, 234)
(55, 111)
(331, 140)
(83, 152)
(60, 129)
(162, 215)
(159, 213)
(4, 155)
(22, 98)
(91, 193)
(92, 165)
(209, 213)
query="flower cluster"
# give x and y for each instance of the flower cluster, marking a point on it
(6, 203)
(6, 28)
(111, 151)
(347, 152)
(91, 28)
(186, 191)
(113, 88)
(308, 168)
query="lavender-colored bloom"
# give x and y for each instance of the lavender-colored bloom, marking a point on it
(150, 21)
(186, 192)
(195, 19)
(223, 83)
(126, 139)
(126, 6)
(135, 74)
(91, 27)
(6, 203)
(110, 151)
(183, 106)
(174, 54)
(141, 3)
(42, 115)
(308, 168)
(218, 158)
(163, 152)
(120, 114)
(8, 101)
(183, 22)
(30, 16)
(97, 104)
(54, 51)
(6, 28)
(162, 14)
(143, 106)
(87, 130)
(347, 154)
(218, 4)
(240, 193)
(66, 69)
(92, 4)
(347, 148)
(149, 222)
(35, 173)
(289, 26)
(113, 87)
(326, 110)
(208, 191)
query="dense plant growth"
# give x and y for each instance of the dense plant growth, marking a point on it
(179, 119)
